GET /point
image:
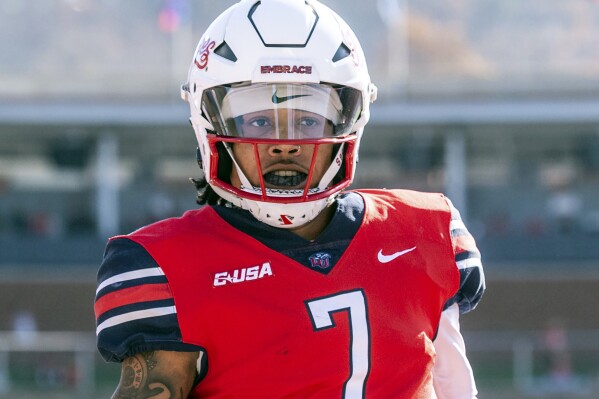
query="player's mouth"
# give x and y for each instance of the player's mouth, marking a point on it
(285, 178)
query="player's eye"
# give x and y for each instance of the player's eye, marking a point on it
(309, 122)
(259, 122)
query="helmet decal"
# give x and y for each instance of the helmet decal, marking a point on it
(201, 58)
(349, 39)
(286, 219)
(278, 100)
(301, 69)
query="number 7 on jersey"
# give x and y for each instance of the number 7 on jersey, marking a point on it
(353, 302)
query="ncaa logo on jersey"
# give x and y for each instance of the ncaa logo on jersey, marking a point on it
(242, 275)
(320, 260)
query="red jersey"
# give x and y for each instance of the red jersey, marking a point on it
(273, 328)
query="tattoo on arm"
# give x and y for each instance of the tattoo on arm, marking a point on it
(143, 376)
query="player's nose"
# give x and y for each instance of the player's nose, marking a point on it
(280, 149)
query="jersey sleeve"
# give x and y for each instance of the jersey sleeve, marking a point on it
(468, 261)
(452, 373)
(134, 306)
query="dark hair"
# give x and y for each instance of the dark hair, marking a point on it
(206, 195)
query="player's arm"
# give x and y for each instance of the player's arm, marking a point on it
(158, 374)
(452, 374)
(137, 324)
(468, 261)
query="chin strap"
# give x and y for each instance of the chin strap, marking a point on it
(331, 172)
(244, 180)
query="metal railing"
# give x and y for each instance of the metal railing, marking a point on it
(81, 345)
(522, 348)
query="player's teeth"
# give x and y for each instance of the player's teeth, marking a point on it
(285, 173)
(284, 178)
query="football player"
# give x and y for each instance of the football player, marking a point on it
(286, 284)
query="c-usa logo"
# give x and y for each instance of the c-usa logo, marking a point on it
(242, 275)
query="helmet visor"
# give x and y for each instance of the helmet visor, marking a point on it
(282, 111)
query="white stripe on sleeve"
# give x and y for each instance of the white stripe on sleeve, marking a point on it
(141, 273)
(135, 315)
(470, 262)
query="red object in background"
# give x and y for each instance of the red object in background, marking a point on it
(172, 14)
(168, 20)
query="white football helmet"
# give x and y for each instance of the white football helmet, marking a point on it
(295, 60)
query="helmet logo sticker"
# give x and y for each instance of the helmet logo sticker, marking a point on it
(286, 219)
(320, 260)
(279, 100)
(201, 58)
(349, 39)
(300, 69)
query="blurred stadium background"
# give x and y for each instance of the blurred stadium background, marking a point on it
(495, 103)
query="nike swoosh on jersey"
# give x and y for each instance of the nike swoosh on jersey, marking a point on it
(278, 100)
(388, 258)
